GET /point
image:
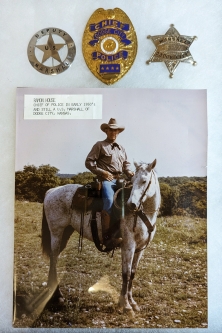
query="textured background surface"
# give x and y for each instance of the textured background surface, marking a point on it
(19, 20)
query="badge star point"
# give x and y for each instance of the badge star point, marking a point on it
(172, 48)
(50, 49)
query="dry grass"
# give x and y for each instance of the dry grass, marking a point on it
(170, 284)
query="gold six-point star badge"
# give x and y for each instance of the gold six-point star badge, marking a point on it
(172, 48)
(51, 51)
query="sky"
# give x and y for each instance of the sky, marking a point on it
(163, 124)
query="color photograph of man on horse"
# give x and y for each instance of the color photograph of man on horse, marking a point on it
(88, 230)
(108, 161)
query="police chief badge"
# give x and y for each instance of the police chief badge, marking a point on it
(51, 51)
(109, 44)
(172, 48)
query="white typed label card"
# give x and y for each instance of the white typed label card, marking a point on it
(63, 106)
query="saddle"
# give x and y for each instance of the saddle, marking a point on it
(89, 197)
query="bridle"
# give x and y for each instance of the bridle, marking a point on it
(143, 195)
(139, 212)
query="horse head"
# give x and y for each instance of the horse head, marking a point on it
(144, 185)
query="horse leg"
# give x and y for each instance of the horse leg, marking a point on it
(136, 259)
(52, 278)
(127, 258)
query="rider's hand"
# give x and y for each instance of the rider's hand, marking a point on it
(107, 175)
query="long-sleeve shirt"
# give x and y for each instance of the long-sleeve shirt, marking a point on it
(106, 157)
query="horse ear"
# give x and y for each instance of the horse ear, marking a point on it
(136, 164)
(152, 165)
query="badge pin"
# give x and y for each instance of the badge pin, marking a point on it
(172, 48)
(109, 44)
(51, 51)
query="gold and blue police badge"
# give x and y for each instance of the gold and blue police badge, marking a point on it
(109, 44)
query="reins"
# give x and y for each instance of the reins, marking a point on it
(149, 232)
(136, 212)
(82, 219)
(139, 212)
(81, 232)
(122, 198)
(144, 218)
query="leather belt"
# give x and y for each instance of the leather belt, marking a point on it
(116, 174)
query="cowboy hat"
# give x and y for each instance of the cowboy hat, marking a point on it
(112, 124)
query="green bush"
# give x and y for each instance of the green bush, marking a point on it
(83, 178)
(166, 199)
(179, 195)
(32, 183)
(188, 198)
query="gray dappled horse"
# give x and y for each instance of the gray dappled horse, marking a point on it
(137, 229)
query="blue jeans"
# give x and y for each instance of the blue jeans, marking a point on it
(108, 190)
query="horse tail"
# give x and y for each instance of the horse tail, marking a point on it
(46, 236)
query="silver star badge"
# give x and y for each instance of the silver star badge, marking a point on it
(53, 58)
(50, 49)
(172, 48)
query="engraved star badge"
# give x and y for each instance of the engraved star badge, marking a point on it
(50, 49)
(59, 55)
(172, 48)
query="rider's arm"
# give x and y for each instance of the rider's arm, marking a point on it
(91, 162)
(127, 167)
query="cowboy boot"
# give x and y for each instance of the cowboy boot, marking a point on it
(108, 240)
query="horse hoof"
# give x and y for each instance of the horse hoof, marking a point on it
(119, 305)
(129, 312)
(135, 307)
(61, 300)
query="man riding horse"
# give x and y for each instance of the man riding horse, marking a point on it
(108, 160)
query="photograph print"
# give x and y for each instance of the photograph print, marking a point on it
(111, 210)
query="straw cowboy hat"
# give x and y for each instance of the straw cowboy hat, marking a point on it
(112, 124)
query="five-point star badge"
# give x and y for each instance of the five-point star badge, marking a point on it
(51, 51)
(172, 48)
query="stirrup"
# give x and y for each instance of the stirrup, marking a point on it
(112, 243)
(116, 241)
